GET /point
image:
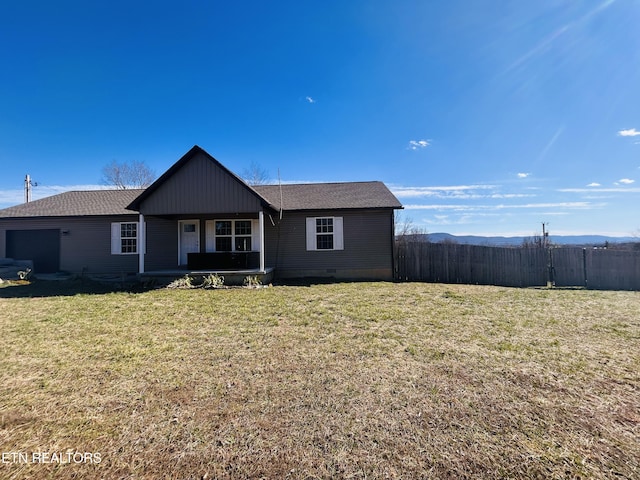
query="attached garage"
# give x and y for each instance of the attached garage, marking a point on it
(69, 232)
(40, 246)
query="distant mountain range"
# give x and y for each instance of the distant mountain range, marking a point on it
(591, 240)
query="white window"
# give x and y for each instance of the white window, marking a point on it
(325, 233)
(232, 236)
(124, 238)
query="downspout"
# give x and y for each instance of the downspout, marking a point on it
(142, 242)
(394, 247)
(261, 227)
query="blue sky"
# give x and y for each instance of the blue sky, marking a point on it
(483, 117)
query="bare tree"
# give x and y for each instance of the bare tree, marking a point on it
(407, 231)
(255, 175)
(127, 175)
(535, 241)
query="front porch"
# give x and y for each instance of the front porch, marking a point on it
(212, 243)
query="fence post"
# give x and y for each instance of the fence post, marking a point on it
(584, 267)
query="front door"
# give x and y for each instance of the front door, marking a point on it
(189, 239)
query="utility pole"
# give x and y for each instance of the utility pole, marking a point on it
(28, 185)
(27, 188)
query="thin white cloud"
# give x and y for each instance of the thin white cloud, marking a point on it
(600, 190)
(594, 184)
(460, 208)
(472, 208)
(310, 99)
(512, 195)
(631, 132)
(418, 144)
(550, 205)
(9, 198)
(626, 181)
(438, 191)
(550, 143)
(545, 45)
(462, 218)
(457, 192)
(539, 48)
(418, 191)
(523, 175)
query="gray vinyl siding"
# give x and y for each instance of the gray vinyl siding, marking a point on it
(162, 244)
(86, 248)
(200, 186)
(368, 249)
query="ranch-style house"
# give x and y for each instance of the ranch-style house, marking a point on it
(199, 216)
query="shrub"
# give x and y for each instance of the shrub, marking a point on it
(252, 281)
(213, 281)
(184, 282)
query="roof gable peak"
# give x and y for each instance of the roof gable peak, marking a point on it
(191, 168)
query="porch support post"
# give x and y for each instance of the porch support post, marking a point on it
(261, 226)
(142, 242)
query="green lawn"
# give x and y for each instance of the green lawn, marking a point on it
(352, 380)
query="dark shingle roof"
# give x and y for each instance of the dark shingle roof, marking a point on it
(321, 196)
(76, 203)
(304, 196)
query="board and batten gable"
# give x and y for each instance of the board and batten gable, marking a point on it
(198, 185)
(367, 245)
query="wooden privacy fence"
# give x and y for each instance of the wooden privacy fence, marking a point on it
(517, 267)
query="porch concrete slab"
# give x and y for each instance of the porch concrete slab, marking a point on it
(231, 277)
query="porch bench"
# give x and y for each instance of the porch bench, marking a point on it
(223, 260)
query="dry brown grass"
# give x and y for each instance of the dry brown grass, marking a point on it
(357, 380)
